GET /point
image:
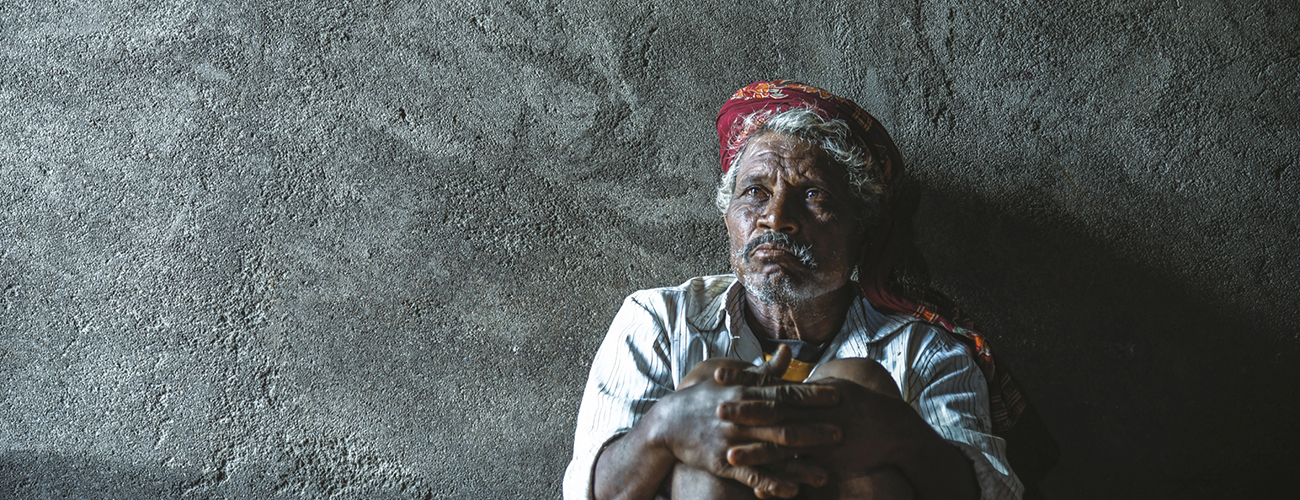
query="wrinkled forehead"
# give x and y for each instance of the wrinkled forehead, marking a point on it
(775, 157)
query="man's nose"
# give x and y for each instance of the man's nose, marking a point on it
(778, 216)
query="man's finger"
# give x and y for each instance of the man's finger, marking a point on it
(778, 363)
(768, 373)
(804, 472)
(760, 453)
(796, 394)
(764, 484)
(795, 436)
(760, 412)
(737, 376)
(796, 470)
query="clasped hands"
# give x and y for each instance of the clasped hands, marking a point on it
(746, 424)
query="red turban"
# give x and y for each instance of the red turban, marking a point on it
(759, 101)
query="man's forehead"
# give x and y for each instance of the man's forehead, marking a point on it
(774, 155)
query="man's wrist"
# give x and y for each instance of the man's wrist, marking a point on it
(633, 465)
(654, 433)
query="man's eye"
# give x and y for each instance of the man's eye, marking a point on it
(816, 195)
(753, 191)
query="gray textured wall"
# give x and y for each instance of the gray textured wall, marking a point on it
(367, 249)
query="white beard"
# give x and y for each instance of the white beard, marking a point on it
(780, 289)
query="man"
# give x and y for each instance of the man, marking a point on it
(786, 379)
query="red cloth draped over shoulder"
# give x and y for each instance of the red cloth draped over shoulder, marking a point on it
(746, 111)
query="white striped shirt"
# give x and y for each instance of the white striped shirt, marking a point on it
(660, 334)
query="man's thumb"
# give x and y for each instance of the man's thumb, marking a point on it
(776, 365)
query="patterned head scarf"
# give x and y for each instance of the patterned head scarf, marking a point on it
(751, 106)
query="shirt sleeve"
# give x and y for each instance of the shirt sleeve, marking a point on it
(950, 393)
(629, 374)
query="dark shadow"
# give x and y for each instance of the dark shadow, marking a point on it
(1031, 450)
(1151, 390)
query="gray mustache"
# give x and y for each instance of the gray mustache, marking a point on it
(802, 252)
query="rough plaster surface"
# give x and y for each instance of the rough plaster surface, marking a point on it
(367, 249)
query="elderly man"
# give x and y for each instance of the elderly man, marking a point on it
(791, 378)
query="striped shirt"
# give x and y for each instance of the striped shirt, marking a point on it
(660, 334)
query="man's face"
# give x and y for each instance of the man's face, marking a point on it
(792, 222)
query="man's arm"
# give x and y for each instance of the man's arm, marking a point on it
(630, 373)
(633, 466)
(951, 394)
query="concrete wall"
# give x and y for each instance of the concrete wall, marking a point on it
(367, 249)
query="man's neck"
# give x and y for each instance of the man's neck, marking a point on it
(816, 320)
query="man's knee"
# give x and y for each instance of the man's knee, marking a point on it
(881, 484)
(704, 370)
(861, 371)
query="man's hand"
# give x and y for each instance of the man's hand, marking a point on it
(880, 430)
(702, 437)
(690, 426)
(694, 428)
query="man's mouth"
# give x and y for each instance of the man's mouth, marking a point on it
(773, 244)
(769, 249)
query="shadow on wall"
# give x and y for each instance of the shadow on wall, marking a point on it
(1150, 389)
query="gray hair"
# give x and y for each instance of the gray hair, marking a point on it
(832, 136)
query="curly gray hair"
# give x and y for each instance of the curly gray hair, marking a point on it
(832, 136)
